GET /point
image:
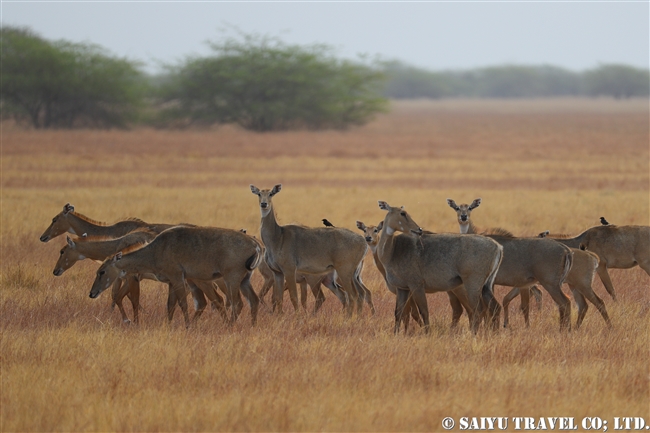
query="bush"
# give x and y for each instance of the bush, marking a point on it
(263, 84)
(63, 84)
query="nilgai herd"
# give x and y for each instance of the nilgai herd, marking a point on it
(413, 262)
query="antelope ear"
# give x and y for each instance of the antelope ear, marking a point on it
(276, 189)
(68, 208)
(476, 203)
(361, 226)
(383, 205)
(255, 189)
(70, 242)
(544, 234)
(242, 230)
(380, 225)
(117, 257)
(452, 204)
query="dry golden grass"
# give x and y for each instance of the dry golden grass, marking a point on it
(69, 364)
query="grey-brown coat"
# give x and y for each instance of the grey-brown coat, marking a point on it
(196, 253)
(292, 249)
(617, 247)
(527, 261)
(429, 263)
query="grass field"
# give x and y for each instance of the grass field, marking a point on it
(70, 364)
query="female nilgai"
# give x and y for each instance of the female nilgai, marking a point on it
(197, 253)
(77, 224)
(292, 249)
(429, 263)
(617, 247)
(527, 261)
(579, 280)
(100, 248)
(371, 235)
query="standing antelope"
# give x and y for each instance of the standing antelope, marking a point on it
(464, 212)
(371, 234)
(527, 261)
(579, 280)
(196, 253)
(314, 282)
(100, 248)
(617, 247)
(77, 224)
(292, 248)
(429, 263)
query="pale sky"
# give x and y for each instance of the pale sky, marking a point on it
(431, 35)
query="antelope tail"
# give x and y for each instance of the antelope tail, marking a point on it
(487, 291)
(568, 261)
(255, 260)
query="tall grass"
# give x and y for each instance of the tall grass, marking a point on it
(70, 364)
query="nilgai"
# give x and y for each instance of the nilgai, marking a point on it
(77, 224)
(371, 234)
(196, 253)
(617, 247)
(292, 248)
(526, 261)
(99, 248)
(579, 280)
(417, 263)
(314, 282)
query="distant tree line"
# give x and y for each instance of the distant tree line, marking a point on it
(618, 81)
(259, 83)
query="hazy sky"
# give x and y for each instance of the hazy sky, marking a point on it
(433, 35)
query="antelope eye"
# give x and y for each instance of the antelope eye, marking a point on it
(62, 252)
(54, 219)
(375, 230)
(403, 214)
(101, 273)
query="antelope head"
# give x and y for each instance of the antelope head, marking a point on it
(69, 255)
(107, 273)
(59, 224)
(265, 196)
(463, 212)
(399, 220)
(371, 233)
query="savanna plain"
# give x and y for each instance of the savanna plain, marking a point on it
(70, 364)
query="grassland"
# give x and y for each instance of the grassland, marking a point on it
(69, 364)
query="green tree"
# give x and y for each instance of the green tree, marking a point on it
(63, 84)
(264, 84)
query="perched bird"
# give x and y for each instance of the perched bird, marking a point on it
(327, 223)
(603, 221)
